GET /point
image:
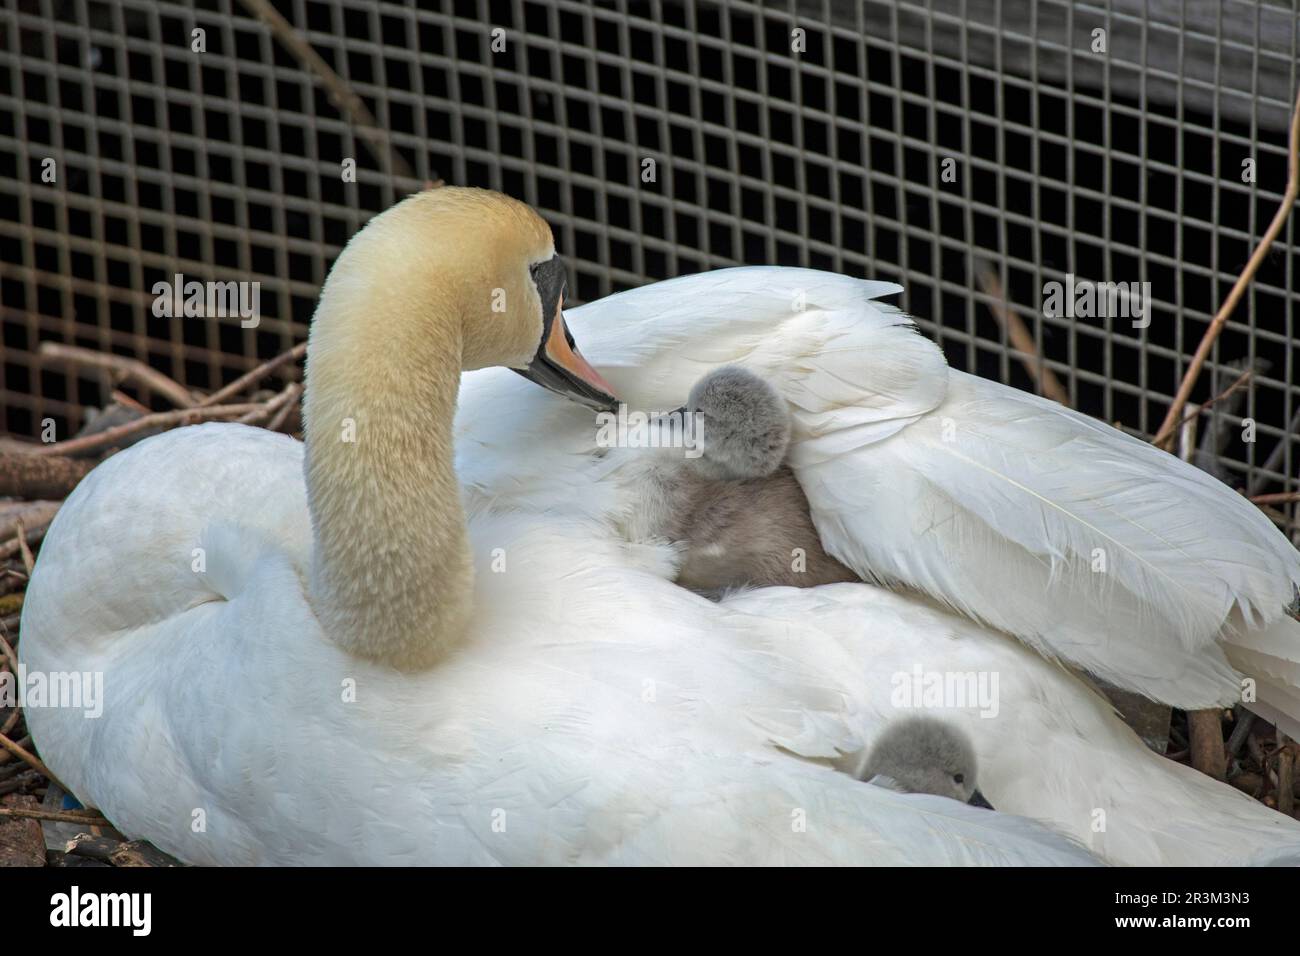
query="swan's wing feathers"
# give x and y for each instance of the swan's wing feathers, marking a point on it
(854, 370)
(1090, 545)
(814, 816)
(710, 310)
(1082, 496)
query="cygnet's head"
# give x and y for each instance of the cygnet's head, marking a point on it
(925, 755)
(746, 424)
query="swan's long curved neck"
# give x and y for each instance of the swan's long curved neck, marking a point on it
(391, 576)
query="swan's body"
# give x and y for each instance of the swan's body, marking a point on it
(581, 725)
(1087, 544)
(1050, 749)
(573, 706)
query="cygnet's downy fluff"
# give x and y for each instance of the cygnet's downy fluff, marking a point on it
(736, 511)
(924, 755)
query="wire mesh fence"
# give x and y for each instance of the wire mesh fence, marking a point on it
(976, 151)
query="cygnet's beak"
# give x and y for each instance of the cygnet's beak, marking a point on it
(560, 367)
(977, 800)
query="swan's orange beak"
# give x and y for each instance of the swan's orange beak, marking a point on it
(560, 367)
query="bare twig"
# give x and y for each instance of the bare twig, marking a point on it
(11, 580)
(1170, 424)
(91, 818)
(1204, 727)
(353, 107)
(1022, 340)
(24, 549)
(1281, 498)
(25, 474)
(15, 546)
(272, 406)
(1251, 783)
(126, 401)
(1242, 379)
(1285, 774)
(279, 418)
(111, 436)
(10, 658)
(1187, 443)
(1274, 457)
(123, 367)
(115, 853)
(30, 514)
(255, 375)
(11, 661)
(1240, 731)
(1187, 435)
(1206, 733)
(7, 757)
(27, 757)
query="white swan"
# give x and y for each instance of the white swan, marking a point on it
(1089, 545)
(347, 669)
(1054, 750)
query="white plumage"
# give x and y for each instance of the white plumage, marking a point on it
(1087, 544)
(602, 714)
(1054, 750)
(599, 713)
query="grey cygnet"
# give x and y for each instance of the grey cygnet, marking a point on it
(746, 425)
(924, 755)
(737, 511)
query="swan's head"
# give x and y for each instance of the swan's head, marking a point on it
(925, 755)
(746, 424)
(478, 260)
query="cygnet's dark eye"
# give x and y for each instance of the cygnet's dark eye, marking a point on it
(958, 778)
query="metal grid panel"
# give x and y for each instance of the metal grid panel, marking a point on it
(225, 165)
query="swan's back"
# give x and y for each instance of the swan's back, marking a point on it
(589, 721)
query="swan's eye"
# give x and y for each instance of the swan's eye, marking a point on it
(958, 778)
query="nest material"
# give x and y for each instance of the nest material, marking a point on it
(41, 825)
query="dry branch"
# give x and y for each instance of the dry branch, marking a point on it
(11, 662)
(116, 853)
(14, 546)
(1170, 424)
(255, 375)
(111, 436)
(279, 418)
(1240, 731)
(29, 514)
(272, 407)
(1195, 413)
(24, 549)
(1206, 733)
(1281, 498)
(1274, 459)
(1285, 774)
(91, 818)
(27, 474)
(1022, 340)
(123, 367)
(126, 401)
(353, 107)
(27, 757)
